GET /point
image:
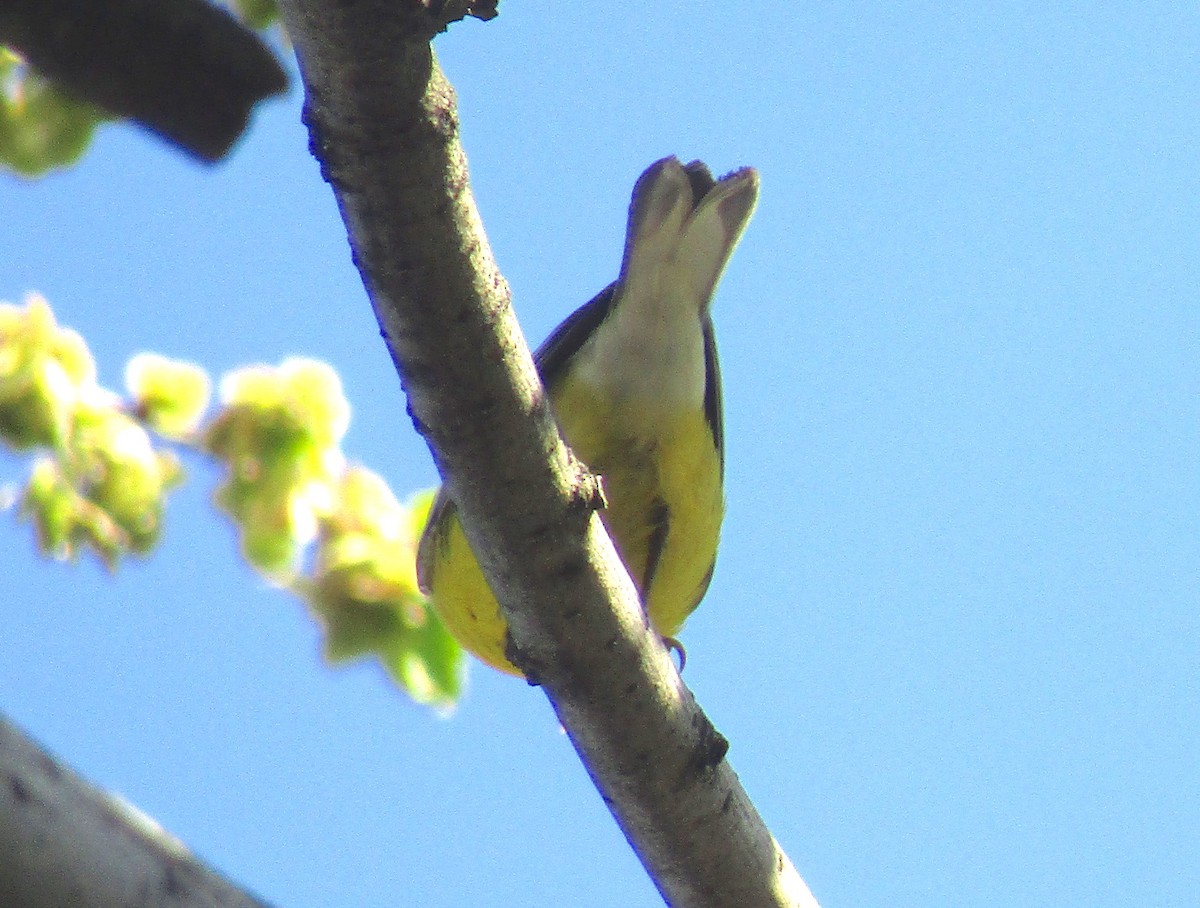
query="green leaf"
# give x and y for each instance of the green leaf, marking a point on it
(433, 668)
(41, 128)
(256, 13)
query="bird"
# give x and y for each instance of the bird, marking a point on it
(634, 385)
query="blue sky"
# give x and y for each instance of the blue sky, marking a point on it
(953, 634)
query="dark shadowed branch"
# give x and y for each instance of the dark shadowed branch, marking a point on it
(185, 69)
(65, 842)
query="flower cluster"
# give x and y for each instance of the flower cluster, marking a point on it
(330, 532)
(98, 482)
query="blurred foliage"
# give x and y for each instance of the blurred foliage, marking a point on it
(331, 532)
(42, 128)
(257, 14)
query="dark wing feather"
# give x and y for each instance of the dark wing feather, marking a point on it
(564, 342)
(712, 392)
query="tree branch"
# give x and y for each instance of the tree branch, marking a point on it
(384, 127)
(65, 842)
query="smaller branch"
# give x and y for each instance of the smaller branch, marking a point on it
(185, 69)
(65, 842)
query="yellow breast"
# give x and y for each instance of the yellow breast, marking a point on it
(662, 481)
